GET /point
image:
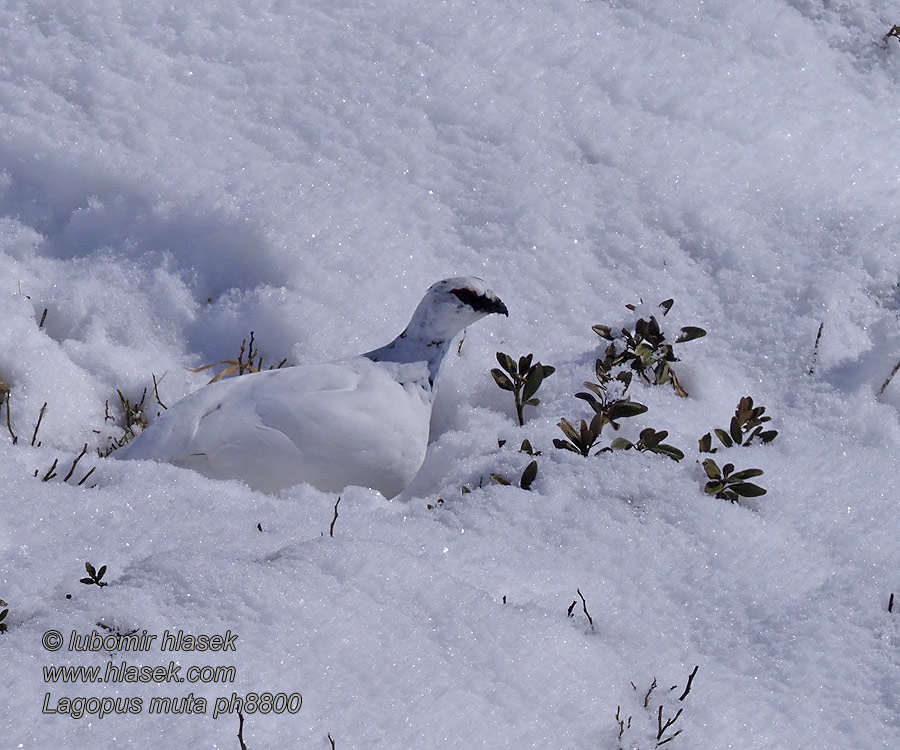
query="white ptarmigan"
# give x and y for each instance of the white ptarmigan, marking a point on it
(360, 421)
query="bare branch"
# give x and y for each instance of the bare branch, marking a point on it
(890, 377)
(75, 463)
(334, 520)
(690, 681)
(156, 390)
(815, 354)
(584, 607)
(15, 438)
(240, 734)
(37, 426)
(84, 478)
(51, 472)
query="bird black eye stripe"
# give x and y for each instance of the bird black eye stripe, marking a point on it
(472, 299)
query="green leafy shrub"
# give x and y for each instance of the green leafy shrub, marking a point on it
(645, 350)
(607, 397)
(745, 427)
(728, 484)
(650, 441)
(94, 576)
(522, 378)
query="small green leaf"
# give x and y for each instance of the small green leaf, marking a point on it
(595, 405)
(497, 479)
(670, 450)
(564, 445)
(3, 614)
(624, 409)
(504, 382)
(713, 488)
(90, 569)
(768, 436)
(734, 430)
(547, 370)
(532, 382)
(464, 490)
(651, 437)
(621, 444)
(500, 443)
(585, 433)
(705, 443)
(724, 437)
(507, 363)
(532, 402)
(711, 468)
(525, 363)
(604, 332)
(740, 476)
(526, 447)
(529, 475)
(597, 423)
(595, 388)
(644, 353)
(689, 333)
(86, 580)
(666, 305)
(101, 572)
(568, 430)
(726, 470)
(747, 489)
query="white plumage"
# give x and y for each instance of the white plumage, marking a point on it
(360, 421)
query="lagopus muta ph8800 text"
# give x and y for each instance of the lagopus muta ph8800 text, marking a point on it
(361, 421)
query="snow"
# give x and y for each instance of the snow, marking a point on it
(172, 178)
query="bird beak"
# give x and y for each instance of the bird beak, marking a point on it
(496, 306)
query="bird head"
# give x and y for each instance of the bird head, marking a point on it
(451, 305)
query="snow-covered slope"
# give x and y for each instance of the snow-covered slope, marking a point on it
(172, 178)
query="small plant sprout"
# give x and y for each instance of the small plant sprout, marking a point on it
(525, 481)
(3, 613)
(581, 439)
(650, 441)
(728, 484)
(745, 427)
(94, 577)
(526, 447)
(522, 378)
(645, 349)
(248, 360)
